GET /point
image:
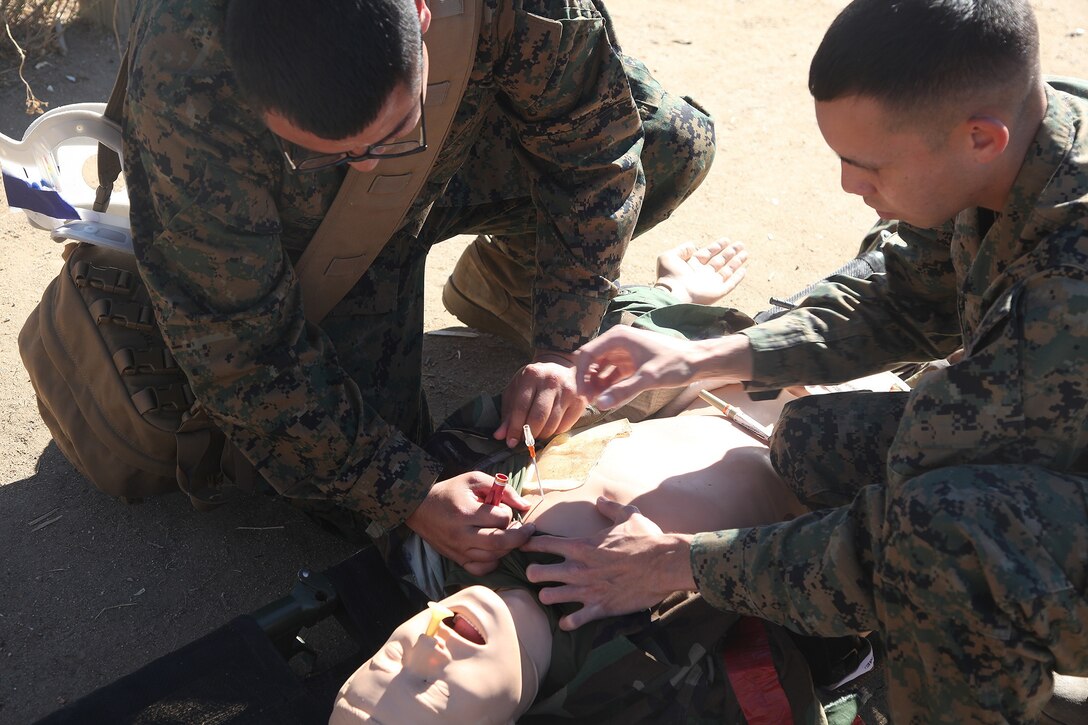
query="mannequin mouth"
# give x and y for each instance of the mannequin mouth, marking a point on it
(464, 628)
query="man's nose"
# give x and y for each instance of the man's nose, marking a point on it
(854, 181)
(364, 165)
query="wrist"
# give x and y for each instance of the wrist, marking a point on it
(675, 563)
(662, 284)
(676, 290)
(553, 356)
(726, 357)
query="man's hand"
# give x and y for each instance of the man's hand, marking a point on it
(455, 521)
(542, 395)
(630, 566)
(623, 362)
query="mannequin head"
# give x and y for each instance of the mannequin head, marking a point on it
(482, 665)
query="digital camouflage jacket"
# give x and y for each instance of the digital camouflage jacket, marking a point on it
(1015, 299)
(217, 222)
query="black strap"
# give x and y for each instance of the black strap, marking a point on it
(109, 161)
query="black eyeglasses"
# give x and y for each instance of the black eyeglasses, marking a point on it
(392, 150)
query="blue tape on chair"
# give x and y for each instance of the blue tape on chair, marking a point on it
(25, 195)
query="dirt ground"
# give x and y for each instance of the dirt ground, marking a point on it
(95, 588)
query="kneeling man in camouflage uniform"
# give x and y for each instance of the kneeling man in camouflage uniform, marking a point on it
(953, 519)
(242, 119)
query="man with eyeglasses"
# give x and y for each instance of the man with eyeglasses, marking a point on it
(240, 120)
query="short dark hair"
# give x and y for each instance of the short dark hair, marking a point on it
(912, 55)
(327, 66)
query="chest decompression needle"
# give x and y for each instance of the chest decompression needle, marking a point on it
(498, 487)
(530, 443)
(738, 417)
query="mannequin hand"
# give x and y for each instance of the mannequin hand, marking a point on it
(702, 274)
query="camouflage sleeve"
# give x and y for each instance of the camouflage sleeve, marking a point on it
(812, 574)
(1019, 397)
(564, 89)
(203, 177)
(853, 327)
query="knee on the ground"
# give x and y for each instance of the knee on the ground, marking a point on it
(800, 455)
(678, 152)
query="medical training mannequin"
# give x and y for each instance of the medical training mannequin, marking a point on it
(693, 469)
(485, 663)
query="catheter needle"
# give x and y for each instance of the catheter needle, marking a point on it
(739, 418)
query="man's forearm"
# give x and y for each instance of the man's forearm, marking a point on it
(725, 357)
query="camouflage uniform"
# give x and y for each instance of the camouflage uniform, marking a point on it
(334, 413)
(965, 528)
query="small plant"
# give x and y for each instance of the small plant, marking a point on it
(32, 29)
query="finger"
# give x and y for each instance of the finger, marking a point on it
(516, 416)
(516, 398)
(480, 483)
(605, 375)
(596, 372)
(570, 576)
(734, 263)
(572, 415)
(596, 381)
(491, 517)
(733, 280)
(480, 568)
(514, 500)
(512, 428)
(685, 251)
(502, 540)
(563, 594)
(588, 613)
(548, 545)
(726, 251)
(480, 556)
(540, 412)
(620, 393)
(719, 244)
(705, 253)
(563, 406)
(614, 511)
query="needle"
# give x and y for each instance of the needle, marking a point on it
(739, 418)
(530, 443)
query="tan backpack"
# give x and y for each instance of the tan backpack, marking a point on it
(115, 401)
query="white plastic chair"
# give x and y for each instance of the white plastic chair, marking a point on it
(52, 176)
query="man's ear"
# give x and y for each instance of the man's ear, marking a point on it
(989, 137)
(424, 13)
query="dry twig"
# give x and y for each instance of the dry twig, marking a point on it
(113, 606)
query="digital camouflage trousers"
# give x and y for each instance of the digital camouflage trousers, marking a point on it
(974, 575)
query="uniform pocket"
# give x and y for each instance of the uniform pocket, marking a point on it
(970, 412)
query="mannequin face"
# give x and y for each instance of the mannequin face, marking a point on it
(470, 671)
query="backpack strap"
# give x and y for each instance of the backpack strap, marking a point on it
(340, 252)
(370, 207)
(109, 162)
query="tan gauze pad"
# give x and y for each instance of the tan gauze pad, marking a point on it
(567, 460)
